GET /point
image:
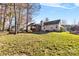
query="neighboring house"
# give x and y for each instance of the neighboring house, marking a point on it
(75, 29)
(32, 27)
(67, 27)
(51, 25)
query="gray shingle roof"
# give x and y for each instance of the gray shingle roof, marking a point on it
(52, 22)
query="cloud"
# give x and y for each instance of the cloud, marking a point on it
(62, 5)
(51, 4)
(77, 4)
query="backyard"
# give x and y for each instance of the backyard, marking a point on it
(49, 44)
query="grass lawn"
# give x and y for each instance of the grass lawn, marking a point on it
(49, 44)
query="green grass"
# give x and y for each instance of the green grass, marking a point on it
(50, 44)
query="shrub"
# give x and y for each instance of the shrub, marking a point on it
(62, 29)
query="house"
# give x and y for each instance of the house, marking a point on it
(51, 25)
(67, 27)
(75, 29)
(32, 27)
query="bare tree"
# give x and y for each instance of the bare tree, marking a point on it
(64, 22)
(10, 14)
(1, 10)
(5, 7)
(32, 10)
(16, 10)
(15, 18)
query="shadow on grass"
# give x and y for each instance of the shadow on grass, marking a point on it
(40, 32)
(43, 32)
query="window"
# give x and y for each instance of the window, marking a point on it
(56, 26)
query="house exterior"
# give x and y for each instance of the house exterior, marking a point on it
(75, 29)
(34, 27)
(67, 27)
(51, 25)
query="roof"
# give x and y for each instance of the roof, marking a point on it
(52, 22)
(33, 24)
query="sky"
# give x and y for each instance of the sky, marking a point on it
(69, 12)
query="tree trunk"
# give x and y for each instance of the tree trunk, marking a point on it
(10, 21)
(19, 20)
(4, 17)
(27, 17)
(15, 19)
(1, 17)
